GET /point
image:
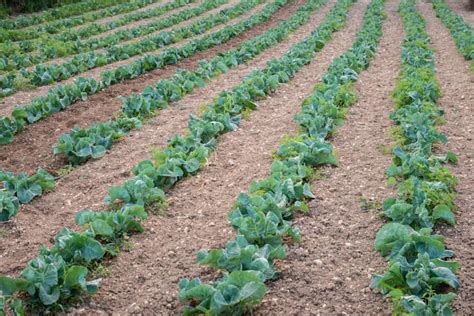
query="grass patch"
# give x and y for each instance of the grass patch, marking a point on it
(3, 233)
(367, 204)
(385, 149)
(64, 171)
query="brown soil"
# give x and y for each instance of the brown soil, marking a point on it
(102, 20)
(149, 20)
(458, 97)
(118, 16)
(462, 8)
(39, 24)
(7, 104)
(86, 186)
(136, 39)
(126, 26)
(329, 272)
(32, 148)
(144, 280)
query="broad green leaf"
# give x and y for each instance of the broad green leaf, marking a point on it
(444, 213)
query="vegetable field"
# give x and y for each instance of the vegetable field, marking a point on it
(238, 157)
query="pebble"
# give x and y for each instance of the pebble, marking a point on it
(337, 279)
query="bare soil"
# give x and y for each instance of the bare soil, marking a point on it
(32, 147)
(7, 104)
(329, 272)
(144, 280)
(461, 7)
(458, 97)
(85, 187)
(136, 39)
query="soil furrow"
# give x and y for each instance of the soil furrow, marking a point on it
(79, 14)
(7, 104)
(86, 186)
(461, 8)
(126, 26)
(118, 16)
(32, 148)
(329, 272)
(136, 39)
(149, 20)
(14, 15)
(457, 99)
(197, 214)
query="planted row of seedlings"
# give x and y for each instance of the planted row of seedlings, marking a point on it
(461, 31)
(262, 218)
(420, 278)
(92, 142)
(44, 74)
(96, 139)
(62, 96)
(12, 34)
(83, 144)
(26, 53)
(21, 188)
(58, 275)
(57, 13)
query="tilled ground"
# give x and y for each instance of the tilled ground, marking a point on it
(197, 216)
(461, 8)
(329, 272)
(85, 187)
(457, 88)
(24, 97)
(33, 147)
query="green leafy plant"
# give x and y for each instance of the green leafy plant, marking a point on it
(25, 53)
(21, 188)
(284, 193)
(263, 217)
(62, 96)
(231, 296)
(419, 279)
(461, 30)
(44, 74)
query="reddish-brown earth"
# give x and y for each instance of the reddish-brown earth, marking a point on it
(329, 272)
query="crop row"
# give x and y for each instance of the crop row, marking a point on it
(419, 279)
(62, 96)
(57, 13)
(59, 274)
(44, 74)
(98, 138)
(20, 54)
(262, 218)
(81, 144)
(21, 188)
(460, 30)
(62, 25)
